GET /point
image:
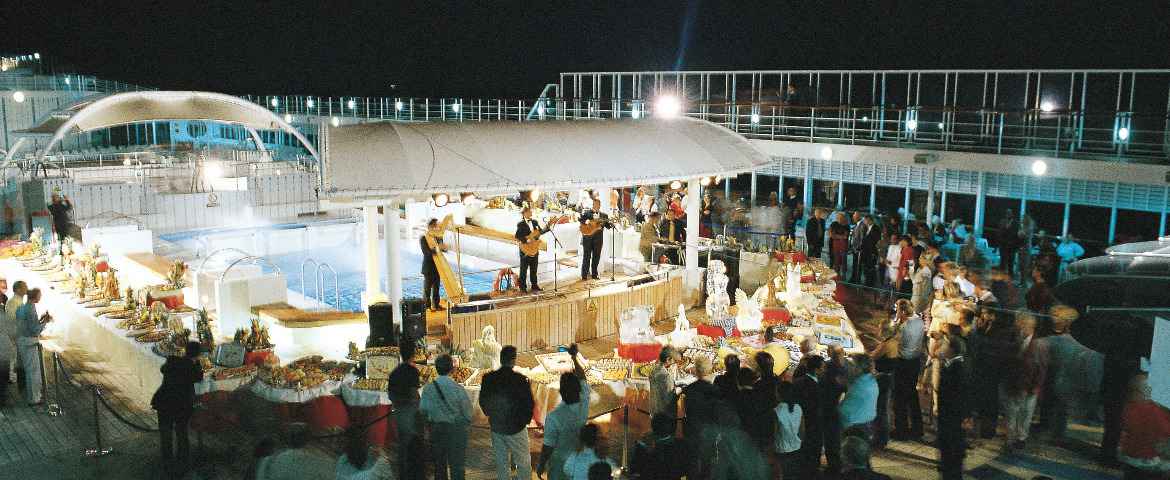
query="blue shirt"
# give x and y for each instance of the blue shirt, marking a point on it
(913, 335)
(860, 403)
(28, 320)
(452, 406)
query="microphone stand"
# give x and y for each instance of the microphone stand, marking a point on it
(556, 243)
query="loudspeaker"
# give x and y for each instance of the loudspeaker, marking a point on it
(414, 319)
(382, 332)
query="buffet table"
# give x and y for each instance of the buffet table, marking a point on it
(74, 324)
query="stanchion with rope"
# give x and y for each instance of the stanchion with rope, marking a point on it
(98, 450)
(55, 409)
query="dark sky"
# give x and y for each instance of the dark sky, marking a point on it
(511, 49)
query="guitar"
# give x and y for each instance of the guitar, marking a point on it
(532, 245)
(594, 225)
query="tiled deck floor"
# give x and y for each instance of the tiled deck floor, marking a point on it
(35, 445)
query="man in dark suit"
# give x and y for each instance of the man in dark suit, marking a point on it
(591, 244)
(430, 271)
(951, 408)
(811, 405)
(868, 254)
(1009, 241)
(814, 233)
(528, 264)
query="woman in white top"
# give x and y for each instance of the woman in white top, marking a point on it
(578, 463)
(790, 430)
(893, 260)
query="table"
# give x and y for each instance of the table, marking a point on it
(366, 406)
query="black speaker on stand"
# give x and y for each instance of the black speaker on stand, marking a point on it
(414, 319)
(382, 331)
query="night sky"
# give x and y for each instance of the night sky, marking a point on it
(511, 49)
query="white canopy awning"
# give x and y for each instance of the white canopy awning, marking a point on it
(377, 160)
(131, 107)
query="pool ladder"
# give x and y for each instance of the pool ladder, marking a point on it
(319, 271)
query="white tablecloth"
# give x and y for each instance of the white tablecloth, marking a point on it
(356, 397)
(288, 395)
(210, 384)
(75, 325)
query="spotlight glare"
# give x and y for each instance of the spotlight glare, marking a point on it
(287, 118)
(533, 195)
(942, 126)
(865, 118)
(706, 181)
(1047, 107)
(826, 153)
(540, 110)
(675, 185)
(636, 113)
(455, 107)
(351, 104)
(274, 102)
(911, 124)
(1039, 167)
(398, 105)
(668, 106)
(18, 96)
(335, 121)
(310, 103)
(755, 118)
(440, 199)
(212, 171)
(1123, 133)
(67, 80)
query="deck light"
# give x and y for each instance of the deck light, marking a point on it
(351, 104)
(755, 119)
(309, 103)
(675, 185)
(706, 181)
(455, 107)
(18, 96)
(1047, 107)
(668, 106)
(540, 110)
(274, 102)
(826, 153)
(398, 106)
(942, 126)
(911, 125)
(635, 113)
(335, 121)
(1039, 167)
(287, 118)
(1122, 133)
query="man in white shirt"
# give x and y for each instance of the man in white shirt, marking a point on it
(562, 426)
(907, 410)
(12, 327)
(448, 409)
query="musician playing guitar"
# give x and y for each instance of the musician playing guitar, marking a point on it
(528, 233)
(593, 221)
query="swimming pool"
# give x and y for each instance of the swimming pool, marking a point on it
(336, 243)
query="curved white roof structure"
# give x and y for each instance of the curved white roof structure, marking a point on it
(130, 107)
(388, 159)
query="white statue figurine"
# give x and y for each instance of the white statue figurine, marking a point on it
(683, 333)
(485, 352)
(717, 298)
(749, 316)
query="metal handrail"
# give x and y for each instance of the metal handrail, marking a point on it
(321, 284)
(217, 252)
(316, 268)
(110, 215)
(252, 258)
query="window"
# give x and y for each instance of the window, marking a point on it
(196, 129)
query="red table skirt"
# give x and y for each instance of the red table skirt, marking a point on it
(639, 352)
(217, 414)
(381, 433)
(715, 332)
(327, 415)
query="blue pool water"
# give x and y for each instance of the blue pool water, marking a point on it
(346, 258)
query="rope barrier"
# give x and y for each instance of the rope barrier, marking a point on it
(98, 392)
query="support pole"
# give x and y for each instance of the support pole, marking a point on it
(393, 243)
(980, 204)
(906, 208)
(808, 189)
(373, 272)
(930, 197)
(692, 208)
(753, 197)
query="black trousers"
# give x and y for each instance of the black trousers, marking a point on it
(4, 382)
(1007, 259)
(431, 289)
(172, 428)
(814, 250)
(591, 255)
(855, 277)
(869, 270)
(952, 452)
(907, 410)
(528, 270)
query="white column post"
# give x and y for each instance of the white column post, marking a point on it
(373, 272)
(930, 197)
(753, 197)
(694, 199)
(980, 205)
(393, 258)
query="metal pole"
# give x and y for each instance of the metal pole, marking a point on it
(99, 450)
(55, 407)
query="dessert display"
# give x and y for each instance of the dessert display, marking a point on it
(237, 372)
(254, 339)
(375, 384)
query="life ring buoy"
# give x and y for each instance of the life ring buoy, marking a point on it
(505, 280)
